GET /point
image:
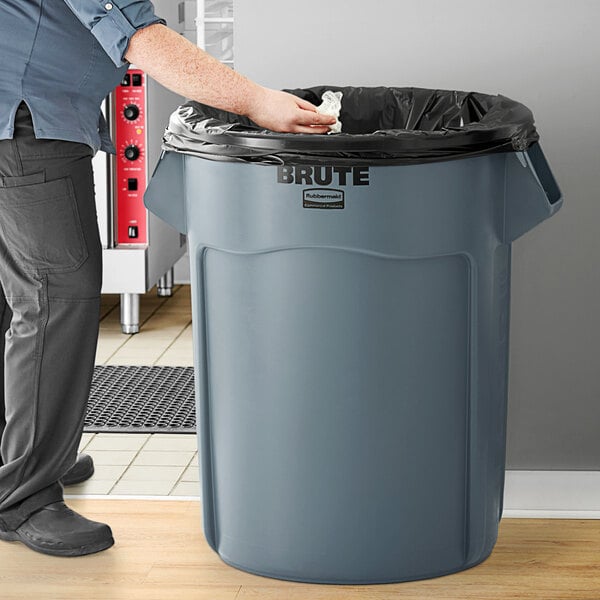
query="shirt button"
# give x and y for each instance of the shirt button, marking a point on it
(108, 6)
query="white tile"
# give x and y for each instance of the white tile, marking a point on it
(107, 346)
(144, 488)
(118, 441)
(124, 358)
(156, 463)
(173, 442)
(91, 486)
(149, 458)
(86, 438)
(153, 473)
(172, 359)
(108, 472)
(195, 461)
(191, 474)
(112, 457)
(186, 488)
(101, 482)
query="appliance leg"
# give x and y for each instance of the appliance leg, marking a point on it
(164, 287)
(130, 313)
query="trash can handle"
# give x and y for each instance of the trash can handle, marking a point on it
(531, 192)
(165, 195)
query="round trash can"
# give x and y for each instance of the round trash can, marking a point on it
(351, 315)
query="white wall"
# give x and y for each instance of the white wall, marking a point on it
(544, 53)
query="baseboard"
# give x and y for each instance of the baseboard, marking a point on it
(552, 494)
(527, 495)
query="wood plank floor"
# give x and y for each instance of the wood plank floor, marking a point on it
(160, 554)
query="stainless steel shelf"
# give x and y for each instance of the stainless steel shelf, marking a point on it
(215, 29)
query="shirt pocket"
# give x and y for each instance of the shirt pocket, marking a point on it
(41, 226)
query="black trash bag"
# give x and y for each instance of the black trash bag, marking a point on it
(379, 125)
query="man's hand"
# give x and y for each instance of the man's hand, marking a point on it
(283, 112)
(182, 67)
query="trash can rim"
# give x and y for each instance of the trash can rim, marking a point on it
(506, 126)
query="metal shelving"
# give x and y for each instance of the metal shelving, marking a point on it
(215, 29)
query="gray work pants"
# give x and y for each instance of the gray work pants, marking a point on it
(50, 275)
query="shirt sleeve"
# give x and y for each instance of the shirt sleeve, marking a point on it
(113, 22)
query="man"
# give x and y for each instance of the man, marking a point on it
(59, 59)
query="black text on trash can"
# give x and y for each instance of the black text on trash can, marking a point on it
(323, 175)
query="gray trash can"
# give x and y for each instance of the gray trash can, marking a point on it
(351, 314)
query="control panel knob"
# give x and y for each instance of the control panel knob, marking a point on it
(132, 152)
(131, 112)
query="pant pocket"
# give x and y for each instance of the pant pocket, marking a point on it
(41, 226)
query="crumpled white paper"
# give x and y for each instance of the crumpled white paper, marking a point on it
(331, 104)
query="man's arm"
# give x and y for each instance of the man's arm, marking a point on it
(185, 69)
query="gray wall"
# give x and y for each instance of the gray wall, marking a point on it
(544, 53)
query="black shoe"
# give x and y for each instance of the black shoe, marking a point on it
(60, 531)
(82, 469)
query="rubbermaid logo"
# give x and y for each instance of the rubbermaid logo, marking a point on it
(323, 198)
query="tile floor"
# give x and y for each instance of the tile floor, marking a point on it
(157, 465)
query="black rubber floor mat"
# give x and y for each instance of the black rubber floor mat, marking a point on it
(141, 400)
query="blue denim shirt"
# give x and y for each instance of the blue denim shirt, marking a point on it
(62, 58)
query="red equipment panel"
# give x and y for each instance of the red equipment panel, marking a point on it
(131, 161)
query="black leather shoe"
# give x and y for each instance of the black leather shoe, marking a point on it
(60, 531)
(82, 469)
